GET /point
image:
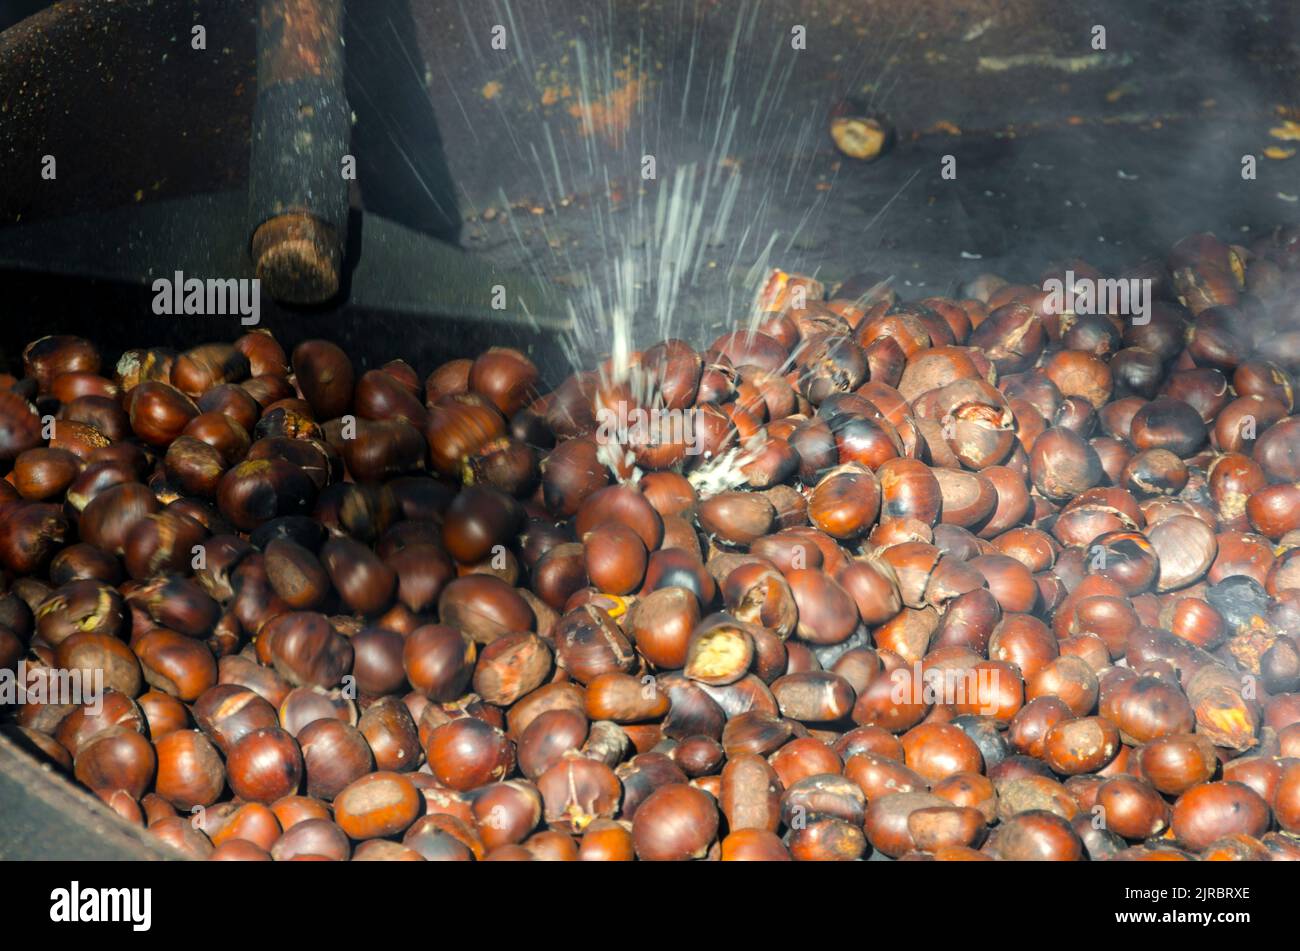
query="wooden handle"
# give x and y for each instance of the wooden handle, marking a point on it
(301, 127)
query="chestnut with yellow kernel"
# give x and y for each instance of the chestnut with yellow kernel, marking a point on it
(865, 138)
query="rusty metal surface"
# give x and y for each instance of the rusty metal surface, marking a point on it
(982, 66)
(131, 113)
(116, 87)
(1060, 149)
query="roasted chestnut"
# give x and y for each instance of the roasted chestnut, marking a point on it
(190, 772)
(1209, 811)
(468, 753)
(264, 765)
(377, 805)
(334, 754)
(118, 758)
(677, 822)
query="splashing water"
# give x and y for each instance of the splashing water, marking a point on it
(654, 163)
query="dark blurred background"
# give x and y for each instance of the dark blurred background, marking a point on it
(530, 156)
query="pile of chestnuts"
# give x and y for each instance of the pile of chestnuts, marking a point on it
(958, 578)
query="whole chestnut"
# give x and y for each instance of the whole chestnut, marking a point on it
(1176, 763)
(392, 735)
(606, 840)
(176, 664)
(755, 845)
(939, 750)
(1132, 808)
(190, 772)
(1148, 708)
(47, 357)
(676, 823)
(588, 643)
(622, 698)
(735, 518)
(258, 490)
(484, 607)
(1170, 424)
(1082, 745)
(159, 412)
(827, 615)
(824, 840)
(468, 753)
(252, 823)
(615, 558)
(364, 583)
(814, 696)
(510, 667)
(1063, 465)
(506, 377)
(479, 519)
(570, 474)
(296, 574)
(845, 502)
(377, 805)
(304, 705)
(1209, 811)
(264, 766)
(228, 712)
(318, 838)
(305, 649)
(334, 754)
(1038, 836)
(377, 662)
(118, 758)
(164, 713)
(325, 376)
